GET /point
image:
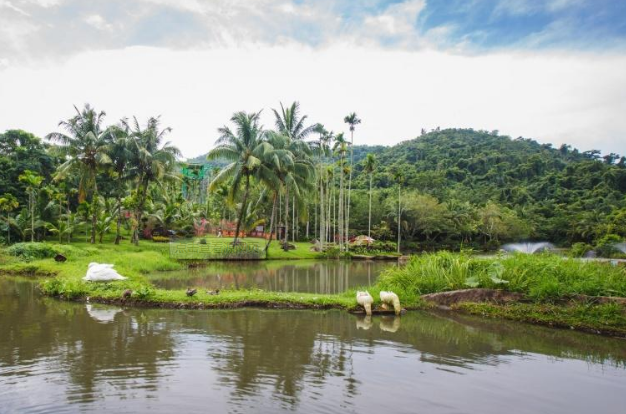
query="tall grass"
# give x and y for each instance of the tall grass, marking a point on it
(542, 277)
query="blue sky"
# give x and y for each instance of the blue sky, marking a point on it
(552, 70)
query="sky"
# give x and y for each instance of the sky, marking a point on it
(551, 70)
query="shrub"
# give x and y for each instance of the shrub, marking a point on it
(580, 249)
(31, 251)
(605, 247)
(160, 239)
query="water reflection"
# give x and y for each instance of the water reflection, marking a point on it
(57, 356)
(333, 276)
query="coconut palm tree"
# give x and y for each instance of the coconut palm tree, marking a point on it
(85, 145)
(120, 150)
(290, 124)
(341, 148)
(353, 121)
(322, 149)
(245, 148)
(152, 159)
(369, 167)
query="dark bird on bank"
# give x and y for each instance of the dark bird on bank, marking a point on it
(213, 292)
(127, 294)
(191, 292)
(60, 258)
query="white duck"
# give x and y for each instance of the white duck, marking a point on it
(102, 272)
(365, 299)
(390, 298)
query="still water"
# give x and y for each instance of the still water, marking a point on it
(323, 277)
(58, 357)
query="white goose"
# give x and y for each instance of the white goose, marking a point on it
(365, 299)
(390, 298)
(102, 272)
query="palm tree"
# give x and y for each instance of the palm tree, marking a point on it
(290, 124)
(152, 160)
(120, 150)
(32, 180)
(370, 166)
(319, 129)
(86, 145)
(353, 121)
(245, 148)
(341, 148)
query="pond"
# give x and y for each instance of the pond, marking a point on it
(69, 357)
(314, 276)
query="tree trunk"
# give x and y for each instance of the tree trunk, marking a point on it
(94, 217)
(118, 232)
(399, 217)
(341, 206)
(369, 218)
(243, 209)
(139, 210)
(286, 241)
(32, 216)
(347, 218)
(267, 245)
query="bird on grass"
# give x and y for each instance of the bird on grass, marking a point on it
(191, 292)
(365, 299)
(127, 294)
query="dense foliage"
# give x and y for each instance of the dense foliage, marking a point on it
(443, 189)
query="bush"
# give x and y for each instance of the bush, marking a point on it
(160, 239)
(605, 247)
(580, 249)
(31, 251)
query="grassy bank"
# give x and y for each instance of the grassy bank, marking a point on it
(551, 287)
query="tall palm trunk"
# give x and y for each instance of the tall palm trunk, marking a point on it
(341, 206)
(267, 245)
(347, 233)
(243, 209)
(139, 210)
(94, 217)
(286, 242)
(369, 218)
(399, 217)
(31, 199)
(118, 231)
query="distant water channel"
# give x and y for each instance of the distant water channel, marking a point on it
(60, 357)
(315, 276)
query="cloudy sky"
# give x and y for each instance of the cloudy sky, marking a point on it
(552, 70)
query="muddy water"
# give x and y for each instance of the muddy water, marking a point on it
(67, 357)
(333, 276)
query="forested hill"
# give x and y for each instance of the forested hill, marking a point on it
(561, 192)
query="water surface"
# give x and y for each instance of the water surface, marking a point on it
(60, 357)
(315, 276)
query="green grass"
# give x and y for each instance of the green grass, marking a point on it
(542, 278)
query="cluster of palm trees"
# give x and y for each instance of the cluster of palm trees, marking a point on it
(282, 163)
(127, 155)
(127, 175)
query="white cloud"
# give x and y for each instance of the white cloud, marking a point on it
(397, 20)
(557, 98)
(98, 22)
